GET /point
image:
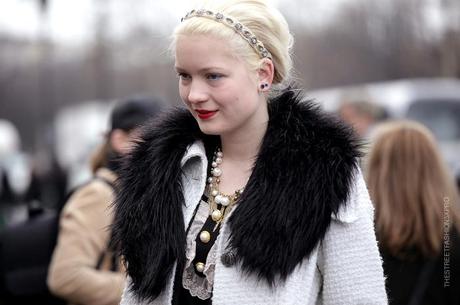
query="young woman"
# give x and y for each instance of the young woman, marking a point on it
(417, 217)
(250, 195)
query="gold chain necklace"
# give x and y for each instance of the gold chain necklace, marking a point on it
(219, 204)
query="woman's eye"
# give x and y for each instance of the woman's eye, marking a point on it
(183, 76)
(214, 76)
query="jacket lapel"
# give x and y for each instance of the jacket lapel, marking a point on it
(194, 165)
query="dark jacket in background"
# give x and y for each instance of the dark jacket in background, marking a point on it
(403, 276)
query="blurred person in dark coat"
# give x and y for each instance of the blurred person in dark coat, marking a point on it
(84, 270)
(417, 215)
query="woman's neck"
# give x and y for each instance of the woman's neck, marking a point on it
(243, 144)
(239, 154)
(242, 147)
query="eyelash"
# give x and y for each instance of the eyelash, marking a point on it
(210, 76)
(214, 76)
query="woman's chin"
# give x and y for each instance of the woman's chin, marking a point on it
(207, 129)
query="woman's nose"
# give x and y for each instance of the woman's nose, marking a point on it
(197, 93)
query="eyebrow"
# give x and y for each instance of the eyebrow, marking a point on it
(207, 69)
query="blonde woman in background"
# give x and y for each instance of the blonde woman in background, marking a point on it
(417, 217)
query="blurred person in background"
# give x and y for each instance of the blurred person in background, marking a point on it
(15, 173)
(417, 216)
(84, 270)
(9, 146)
(358, 110)
(48, 184)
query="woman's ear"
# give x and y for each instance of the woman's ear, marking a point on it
(119, 140)
(266, 72)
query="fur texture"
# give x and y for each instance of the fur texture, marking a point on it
(302, 176)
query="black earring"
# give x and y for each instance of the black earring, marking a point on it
(263, 86)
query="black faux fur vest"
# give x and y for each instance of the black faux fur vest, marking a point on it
(302, 175)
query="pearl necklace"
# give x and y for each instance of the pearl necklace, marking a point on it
(219, 203)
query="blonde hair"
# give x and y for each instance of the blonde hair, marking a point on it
(265, 22)
(409, 185)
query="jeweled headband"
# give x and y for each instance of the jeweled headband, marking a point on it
(231, 22)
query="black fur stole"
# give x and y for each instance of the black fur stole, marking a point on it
(302, 175)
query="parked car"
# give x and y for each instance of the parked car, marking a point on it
(435, 102)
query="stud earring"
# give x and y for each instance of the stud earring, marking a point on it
(263, 86)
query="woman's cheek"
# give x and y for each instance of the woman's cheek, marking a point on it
(183, 94)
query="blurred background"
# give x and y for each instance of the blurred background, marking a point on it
(64, 63)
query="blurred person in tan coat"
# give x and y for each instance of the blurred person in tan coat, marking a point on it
(84, 270)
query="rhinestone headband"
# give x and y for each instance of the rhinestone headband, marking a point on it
(244, 32)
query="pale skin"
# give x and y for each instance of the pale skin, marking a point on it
(122, 141)
(214, 78)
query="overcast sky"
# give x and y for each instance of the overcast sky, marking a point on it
(72, 21)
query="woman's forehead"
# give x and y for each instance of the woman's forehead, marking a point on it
(203, 51)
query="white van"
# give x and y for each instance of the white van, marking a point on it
(435, 102)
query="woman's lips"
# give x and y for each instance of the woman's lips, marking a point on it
(205, 114)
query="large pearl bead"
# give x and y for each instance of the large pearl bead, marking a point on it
(199, 267)
(217, 172)
(220, 154)
(223, 200)
(215, 193)
(226, 201)
(214, 164)
(218, 199)
(216, 215)
(205, 236)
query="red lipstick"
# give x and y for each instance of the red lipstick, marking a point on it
(205, 114)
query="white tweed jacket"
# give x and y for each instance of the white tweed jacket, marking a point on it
(345, 268)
